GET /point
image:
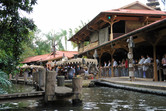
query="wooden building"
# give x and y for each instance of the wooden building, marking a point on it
(109, 31)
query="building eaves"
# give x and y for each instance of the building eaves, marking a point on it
(147, 27)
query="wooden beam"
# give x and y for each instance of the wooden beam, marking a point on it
(128, 18)
(155, 64)
(139, 39)
(157, 40)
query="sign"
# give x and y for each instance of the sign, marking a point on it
(130, 55)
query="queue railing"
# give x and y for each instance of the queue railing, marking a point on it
(140, 70)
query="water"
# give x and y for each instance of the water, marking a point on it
(17, 88)
(94, 99)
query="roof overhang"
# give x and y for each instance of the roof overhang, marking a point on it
(152, 26)
(121, 14)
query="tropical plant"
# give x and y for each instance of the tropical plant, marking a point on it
(63, 33)
(51, 36)
(164, 3)
(72, 32)
(14, 30)
(4, 82)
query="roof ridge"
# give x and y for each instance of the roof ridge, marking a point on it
(137, 2)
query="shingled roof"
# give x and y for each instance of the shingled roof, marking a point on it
(48, 57)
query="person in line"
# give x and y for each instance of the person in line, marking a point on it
(105, 64)
(164, 66)
(126, 67)
(109, 66)
(140, 68)
(135, 68)
(104, 69)
(123, 67)
(145, 67)
(115, 64)
(71, 72)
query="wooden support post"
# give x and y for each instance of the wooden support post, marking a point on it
(60, 80)
(77, 90)
(155, 64)
(50, 86)
(36, 75)
(42, 73)
(25, 77)
(111, 34)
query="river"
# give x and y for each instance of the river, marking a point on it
(94, 99)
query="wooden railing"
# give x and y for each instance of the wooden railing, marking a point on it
(88, 46)
(139, 71)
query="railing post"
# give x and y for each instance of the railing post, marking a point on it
(42, 72)
(77, 90)
(60, 80)
(50, 86)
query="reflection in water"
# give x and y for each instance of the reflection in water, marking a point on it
(18, 88)
(96, 99)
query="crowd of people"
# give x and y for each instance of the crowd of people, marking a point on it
(69, 71)
(143, 67)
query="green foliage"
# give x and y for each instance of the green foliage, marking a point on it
(14, 30)
(64, 34)
(57, 37)
(86, 43)
(4, 82)
(72, 32)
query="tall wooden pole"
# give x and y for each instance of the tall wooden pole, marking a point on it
(155, 64)
(111, 35)
(130, 57)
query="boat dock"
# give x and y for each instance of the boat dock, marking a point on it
(139, 85)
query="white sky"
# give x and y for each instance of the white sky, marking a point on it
(64, 14)
(54, 15)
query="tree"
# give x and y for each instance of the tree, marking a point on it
(57, 37)
(64, 34)
(72, 32)
(70, 35)
(164, 3)
(14, 30)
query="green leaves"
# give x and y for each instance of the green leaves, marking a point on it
(14, 31)
(4, 82)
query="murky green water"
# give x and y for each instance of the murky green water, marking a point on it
(17, 88)
(94, 99)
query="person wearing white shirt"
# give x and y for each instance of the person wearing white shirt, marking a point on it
(163, 62)
(141, 60)
(140, 68)
(145, 67)
(109, 71)
(115, 64)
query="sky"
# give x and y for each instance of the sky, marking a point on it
(54, 15)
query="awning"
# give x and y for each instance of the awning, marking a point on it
(77, 61)
(30, 66)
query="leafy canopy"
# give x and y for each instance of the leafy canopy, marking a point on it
(14, 31)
